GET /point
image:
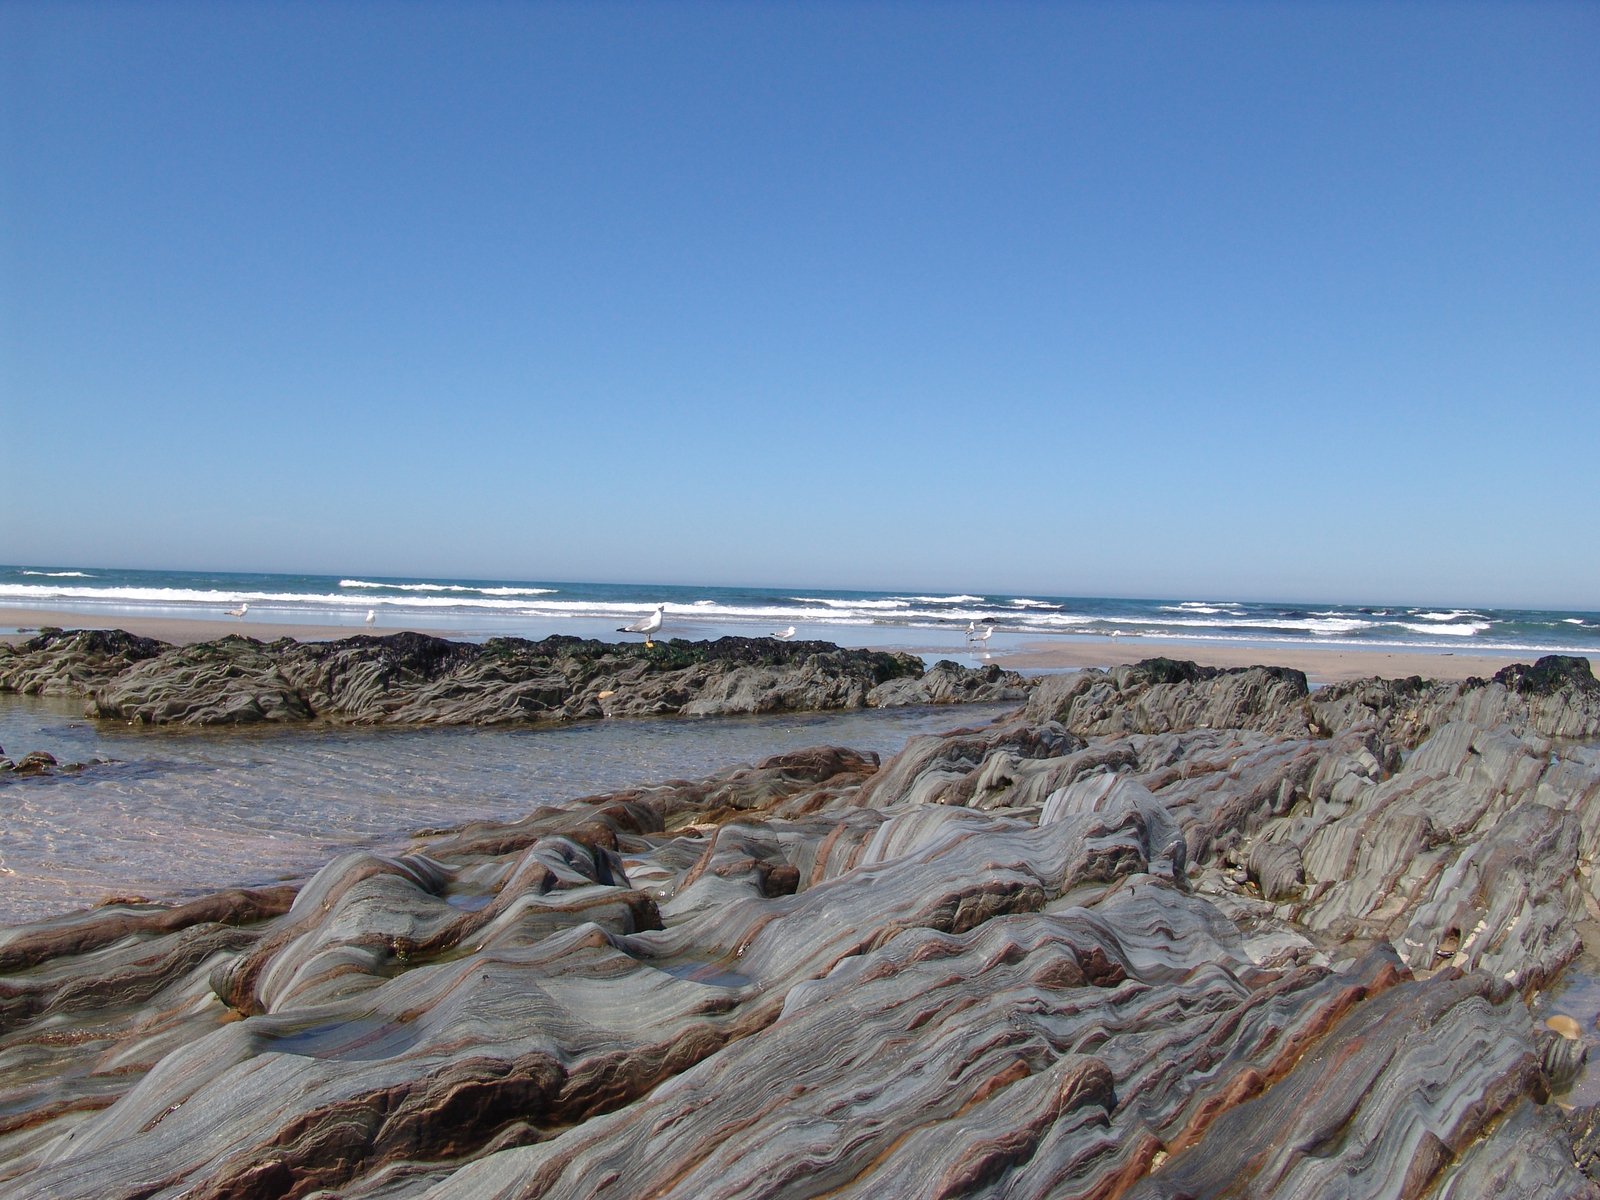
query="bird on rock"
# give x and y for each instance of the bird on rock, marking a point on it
(647, 626)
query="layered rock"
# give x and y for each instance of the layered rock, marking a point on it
(413, 679)
(1204, 939)
(62, 662)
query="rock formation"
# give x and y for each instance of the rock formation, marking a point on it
(1162, 932)
(413, 679)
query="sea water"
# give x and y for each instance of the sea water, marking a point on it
(169, 813)
(915, 620)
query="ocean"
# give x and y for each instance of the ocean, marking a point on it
(474, 609)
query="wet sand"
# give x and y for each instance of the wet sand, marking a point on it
(1321, 664)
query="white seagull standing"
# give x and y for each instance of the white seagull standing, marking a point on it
(783, 635)
(978, 636)
(240, 611)
(372, 615)
(647, 626)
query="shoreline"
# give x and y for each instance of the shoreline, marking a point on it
(1320, 664)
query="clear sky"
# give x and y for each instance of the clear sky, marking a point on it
(1254, 300)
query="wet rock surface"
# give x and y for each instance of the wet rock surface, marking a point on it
(413, 679)
(34, 762)
(1166, 933)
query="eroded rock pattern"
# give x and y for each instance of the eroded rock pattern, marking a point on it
(413, 679)
(1217, 937)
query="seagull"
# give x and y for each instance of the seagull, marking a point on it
(240, 611)
(372, 615)
(646, 626)
(976, 635)
(783, 635)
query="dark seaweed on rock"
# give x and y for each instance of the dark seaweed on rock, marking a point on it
(1549, 676)
(1163, 933)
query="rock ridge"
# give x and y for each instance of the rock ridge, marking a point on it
(415, 679)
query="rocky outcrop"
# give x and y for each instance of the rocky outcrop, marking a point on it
(62, 662)
(1160, 696)
(412, 679)
(1557, 697)
(947, 682)
(1169, 933)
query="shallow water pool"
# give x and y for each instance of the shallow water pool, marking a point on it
(169, 813)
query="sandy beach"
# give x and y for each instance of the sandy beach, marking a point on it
(1321, 664)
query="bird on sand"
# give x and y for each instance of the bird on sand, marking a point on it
(783, 635)
(647, 626)
(240, 611)
(978, 636)
(372, 615)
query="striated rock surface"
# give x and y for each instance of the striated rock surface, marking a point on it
(62, 662)
(413, 679)
(1557, 697)
(1160, 933)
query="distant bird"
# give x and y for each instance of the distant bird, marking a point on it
(372, 615)
(783, 635)
(979, 633)
(240, 611)
(647, 626)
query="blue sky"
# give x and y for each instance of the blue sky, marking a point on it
(1286, 301)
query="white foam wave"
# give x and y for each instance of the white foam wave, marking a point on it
(876, 605)
(1060, 620)
(61, 574)
(459, 588)
(1321, 626)
(138, 597)
(1467, 630)
(935, 600)
(1024, 603)
(1454, 614)
(405, 587)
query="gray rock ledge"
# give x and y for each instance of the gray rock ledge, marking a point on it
(413, 679)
